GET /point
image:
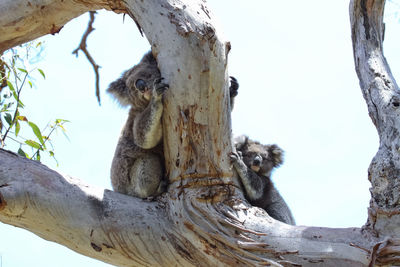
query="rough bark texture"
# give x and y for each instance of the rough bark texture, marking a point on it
(382, 95)
(203, 220)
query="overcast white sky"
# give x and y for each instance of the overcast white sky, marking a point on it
(298, 88)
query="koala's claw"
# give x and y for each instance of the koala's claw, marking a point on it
(234, 86)
(160, 87)
(158, 80)
(236, 156)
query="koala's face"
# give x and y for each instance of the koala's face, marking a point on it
(140, 79)
(262, 159)
(135, 86)
(257, 158)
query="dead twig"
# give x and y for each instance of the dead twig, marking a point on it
(82, 46)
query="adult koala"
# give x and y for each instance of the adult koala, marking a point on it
(138, 165)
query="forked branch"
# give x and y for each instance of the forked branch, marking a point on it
(82, 46)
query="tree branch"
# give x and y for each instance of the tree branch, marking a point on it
(22, 20)
(382, 95)
(123, 230)
(82, 46)
(97, 223)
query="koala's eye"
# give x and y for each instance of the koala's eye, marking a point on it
(140, 85)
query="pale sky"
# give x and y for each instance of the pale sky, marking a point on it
(298, 89)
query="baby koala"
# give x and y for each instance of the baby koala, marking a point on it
(254, 163)
(138, 164)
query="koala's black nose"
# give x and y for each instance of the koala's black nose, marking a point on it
(257, 161)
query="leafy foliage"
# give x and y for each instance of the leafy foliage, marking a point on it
(15, 75)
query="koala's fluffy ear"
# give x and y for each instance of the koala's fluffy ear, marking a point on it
(275, 153)
(240, 141)
(119, 90)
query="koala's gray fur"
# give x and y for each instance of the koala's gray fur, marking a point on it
(138, 165)
(254, 163)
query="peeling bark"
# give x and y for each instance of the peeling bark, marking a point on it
(203, 219)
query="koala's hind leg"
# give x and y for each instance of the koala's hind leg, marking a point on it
(146, 176)
(277, 207)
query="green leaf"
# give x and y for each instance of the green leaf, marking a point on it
(7, 95)
(6, 107)
(33, 144)
(17, 128)
(30, 84)
(10, 85)
(12, 89)
(23, 70)
(14, 93)
(8, 118)
(37, 132)
(42, 72)
(61, 121)
(22, 153)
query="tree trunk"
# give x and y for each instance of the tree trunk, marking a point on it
(203, 219)
(382, 95)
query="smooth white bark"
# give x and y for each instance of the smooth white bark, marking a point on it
(23, 21)
(92, 221)
(187, 230)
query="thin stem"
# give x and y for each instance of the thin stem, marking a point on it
(17, 141)
(15, 113)
(45, 140)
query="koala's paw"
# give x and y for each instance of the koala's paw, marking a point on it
(234, 87)
(237, 163)
(235, 156)
(159, 87)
